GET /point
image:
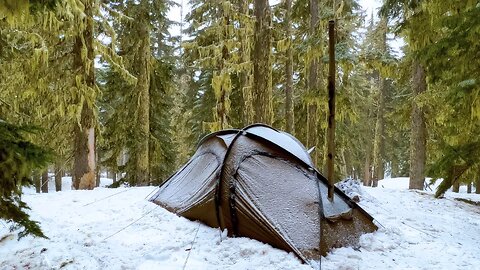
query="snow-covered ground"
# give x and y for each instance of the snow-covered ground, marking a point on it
(85, 230)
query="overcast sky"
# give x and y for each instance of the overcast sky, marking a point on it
(175, 12)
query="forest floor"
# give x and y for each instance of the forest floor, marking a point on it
(416, 231)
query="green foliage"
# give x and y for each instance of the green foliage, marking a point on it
(123, 137)
(18, 158)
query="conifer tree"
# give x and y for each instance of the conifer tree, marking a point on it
(146, 141)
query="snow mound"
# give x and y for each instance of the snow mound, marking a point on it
(351, 187)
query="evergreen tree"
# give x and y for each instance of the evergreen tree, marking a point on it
(146, 141)
(18, 158)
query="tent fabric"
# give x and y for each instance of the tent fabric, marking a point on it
(260, 183)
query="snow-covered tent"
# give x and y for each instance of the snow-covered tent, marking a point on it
(261, 183)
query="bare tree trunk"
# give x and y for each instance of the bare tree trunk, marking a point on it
(84, 144)
(45, 181)
(469, 187)
(395, 169)
(378, 148)
(331, 110)
(477, 183)
(58, 177)
(262, 70)
(37, 180)
(313, 83)
(456, 186)
(245, 75)
(289, 114)
(366, 168)
(223, 93)
(418, 138)
(98, 177)
(142, 89)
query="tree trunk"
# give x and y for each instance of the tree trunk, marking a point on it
(469, 187)
(342, 164)
(262, 69)
(245, 76)
(97, 177)
(313, 89)
(331, 110)
(374, 180)
(395, 169)
(143, 68)
(37, 180)
(289, 116)
(45, 181)
(84, 132)
(418, 138)
(477, 183)
(378, 147)
(456, 186)
(366, 168)
(222, 91)
(58, 177)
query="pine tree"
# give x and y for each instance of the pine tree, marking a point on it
(146, 141)
(18, 157)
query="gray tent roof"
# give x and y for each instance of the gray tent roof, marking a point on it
(260, 183)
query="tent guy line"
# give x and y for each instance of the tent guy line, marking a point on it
(191, 246)
(133, 222)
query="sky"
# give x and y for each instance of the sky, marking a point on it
(176, 12)
(369, 6)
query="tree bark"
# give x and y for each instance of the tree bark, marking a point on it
(313, 90)
(331, 110)
(289, 114)
(245, 76)
(97, 177)
(378, 148)
(142, 60)
(37, 180)
(222, 95)
(45, 181)
(477, 183)
(418, 138)
(456, 186)
(84, 132)
(394, 165)
(262, 70)
(366, 169)
(58, 177)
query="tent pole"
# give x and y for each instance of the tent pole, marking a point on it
(331, 109)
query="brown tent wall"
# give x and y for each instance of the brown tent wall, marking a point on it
(255, 185)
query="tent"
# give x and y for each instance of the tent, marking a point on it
(260, 183)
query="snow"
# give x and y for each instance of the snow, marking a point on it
(88, 230)
(282, 139)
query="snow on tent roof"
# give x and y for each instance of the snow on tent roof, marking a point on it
(282, 139)
(260, 183)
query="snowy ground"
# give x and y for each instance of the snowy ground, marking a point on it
(416, 232)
